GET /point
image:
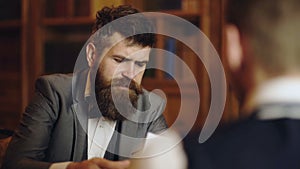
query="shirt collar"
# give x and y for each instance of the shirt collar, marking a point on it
(275, 97)
(280, 90)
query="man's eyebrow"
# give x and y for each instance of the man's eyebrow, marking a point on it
(143, 61)
(127, 59)
(121, 57)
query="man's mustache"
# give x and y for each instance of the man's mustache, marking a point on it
(126, 83)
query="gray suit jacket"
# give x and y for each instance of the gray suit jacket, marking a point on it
(50, 130)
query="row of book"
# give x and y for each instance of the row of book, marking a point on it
(77, 8)
(73, 8)
(178, 61)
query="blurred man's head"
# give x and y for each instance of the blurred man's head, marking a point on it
(262, 39)
(118, 53)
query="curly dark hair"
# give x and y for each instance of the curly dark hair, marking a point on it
(137, 24)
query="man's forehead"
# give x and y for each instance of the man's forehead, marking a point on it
(134, 52)
(118, 45)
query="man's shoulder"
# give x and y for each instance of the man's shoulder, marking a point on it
(223, 136)
(56, 79)
(60, 83)
(243, 141)
(224, 144)
(246, 135)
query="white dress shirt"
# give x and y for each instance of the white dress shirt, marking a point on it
(100, 132)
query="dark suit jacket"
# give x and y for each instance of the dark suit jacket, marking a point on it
(50, 130)
(249, 144)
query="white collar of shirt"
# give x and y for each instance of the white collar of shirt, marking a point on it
(283, 90)
(100, 130)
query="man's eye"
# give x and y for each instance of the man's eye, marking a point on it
(140, 64)
(118, 60)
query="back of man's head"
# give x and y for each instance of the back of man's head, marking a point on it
(272, 30)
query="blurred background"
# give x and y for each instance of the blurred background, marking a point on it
(39, 37)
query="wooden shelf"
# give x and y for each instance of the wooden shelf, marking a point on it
(10, 24)
(10, 92)
(183, 14)
(67, 21)
(10, 75)
(73, 21)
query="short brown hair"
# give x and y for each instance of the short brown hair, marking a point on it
(273, 28)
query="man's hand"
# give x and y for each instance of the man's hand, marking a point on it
(99, 163)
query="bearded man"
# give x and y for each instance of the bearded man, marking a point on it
(98, 116)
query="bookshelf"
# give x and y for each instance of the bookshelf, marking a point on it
(164, 81)
(42, 31)
(13, 38)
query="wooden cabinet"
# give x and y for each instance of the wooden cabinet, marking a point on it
(49, 34)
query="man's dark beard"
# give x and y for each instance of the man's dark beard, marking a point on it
(106, 103)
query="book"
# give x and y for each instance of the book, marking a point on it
(169, 60)
(96, 5)
(81, 8)
(190, 5)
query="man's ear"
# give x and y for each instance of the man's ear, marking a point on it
(234, 47)
(90, 54)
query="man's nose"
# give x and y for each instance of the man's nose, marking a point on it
(129, 70)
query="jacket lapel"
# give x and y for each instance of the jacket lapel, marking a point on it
(132, 138)
(133, 134)
(80, 136)
(80, 111)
